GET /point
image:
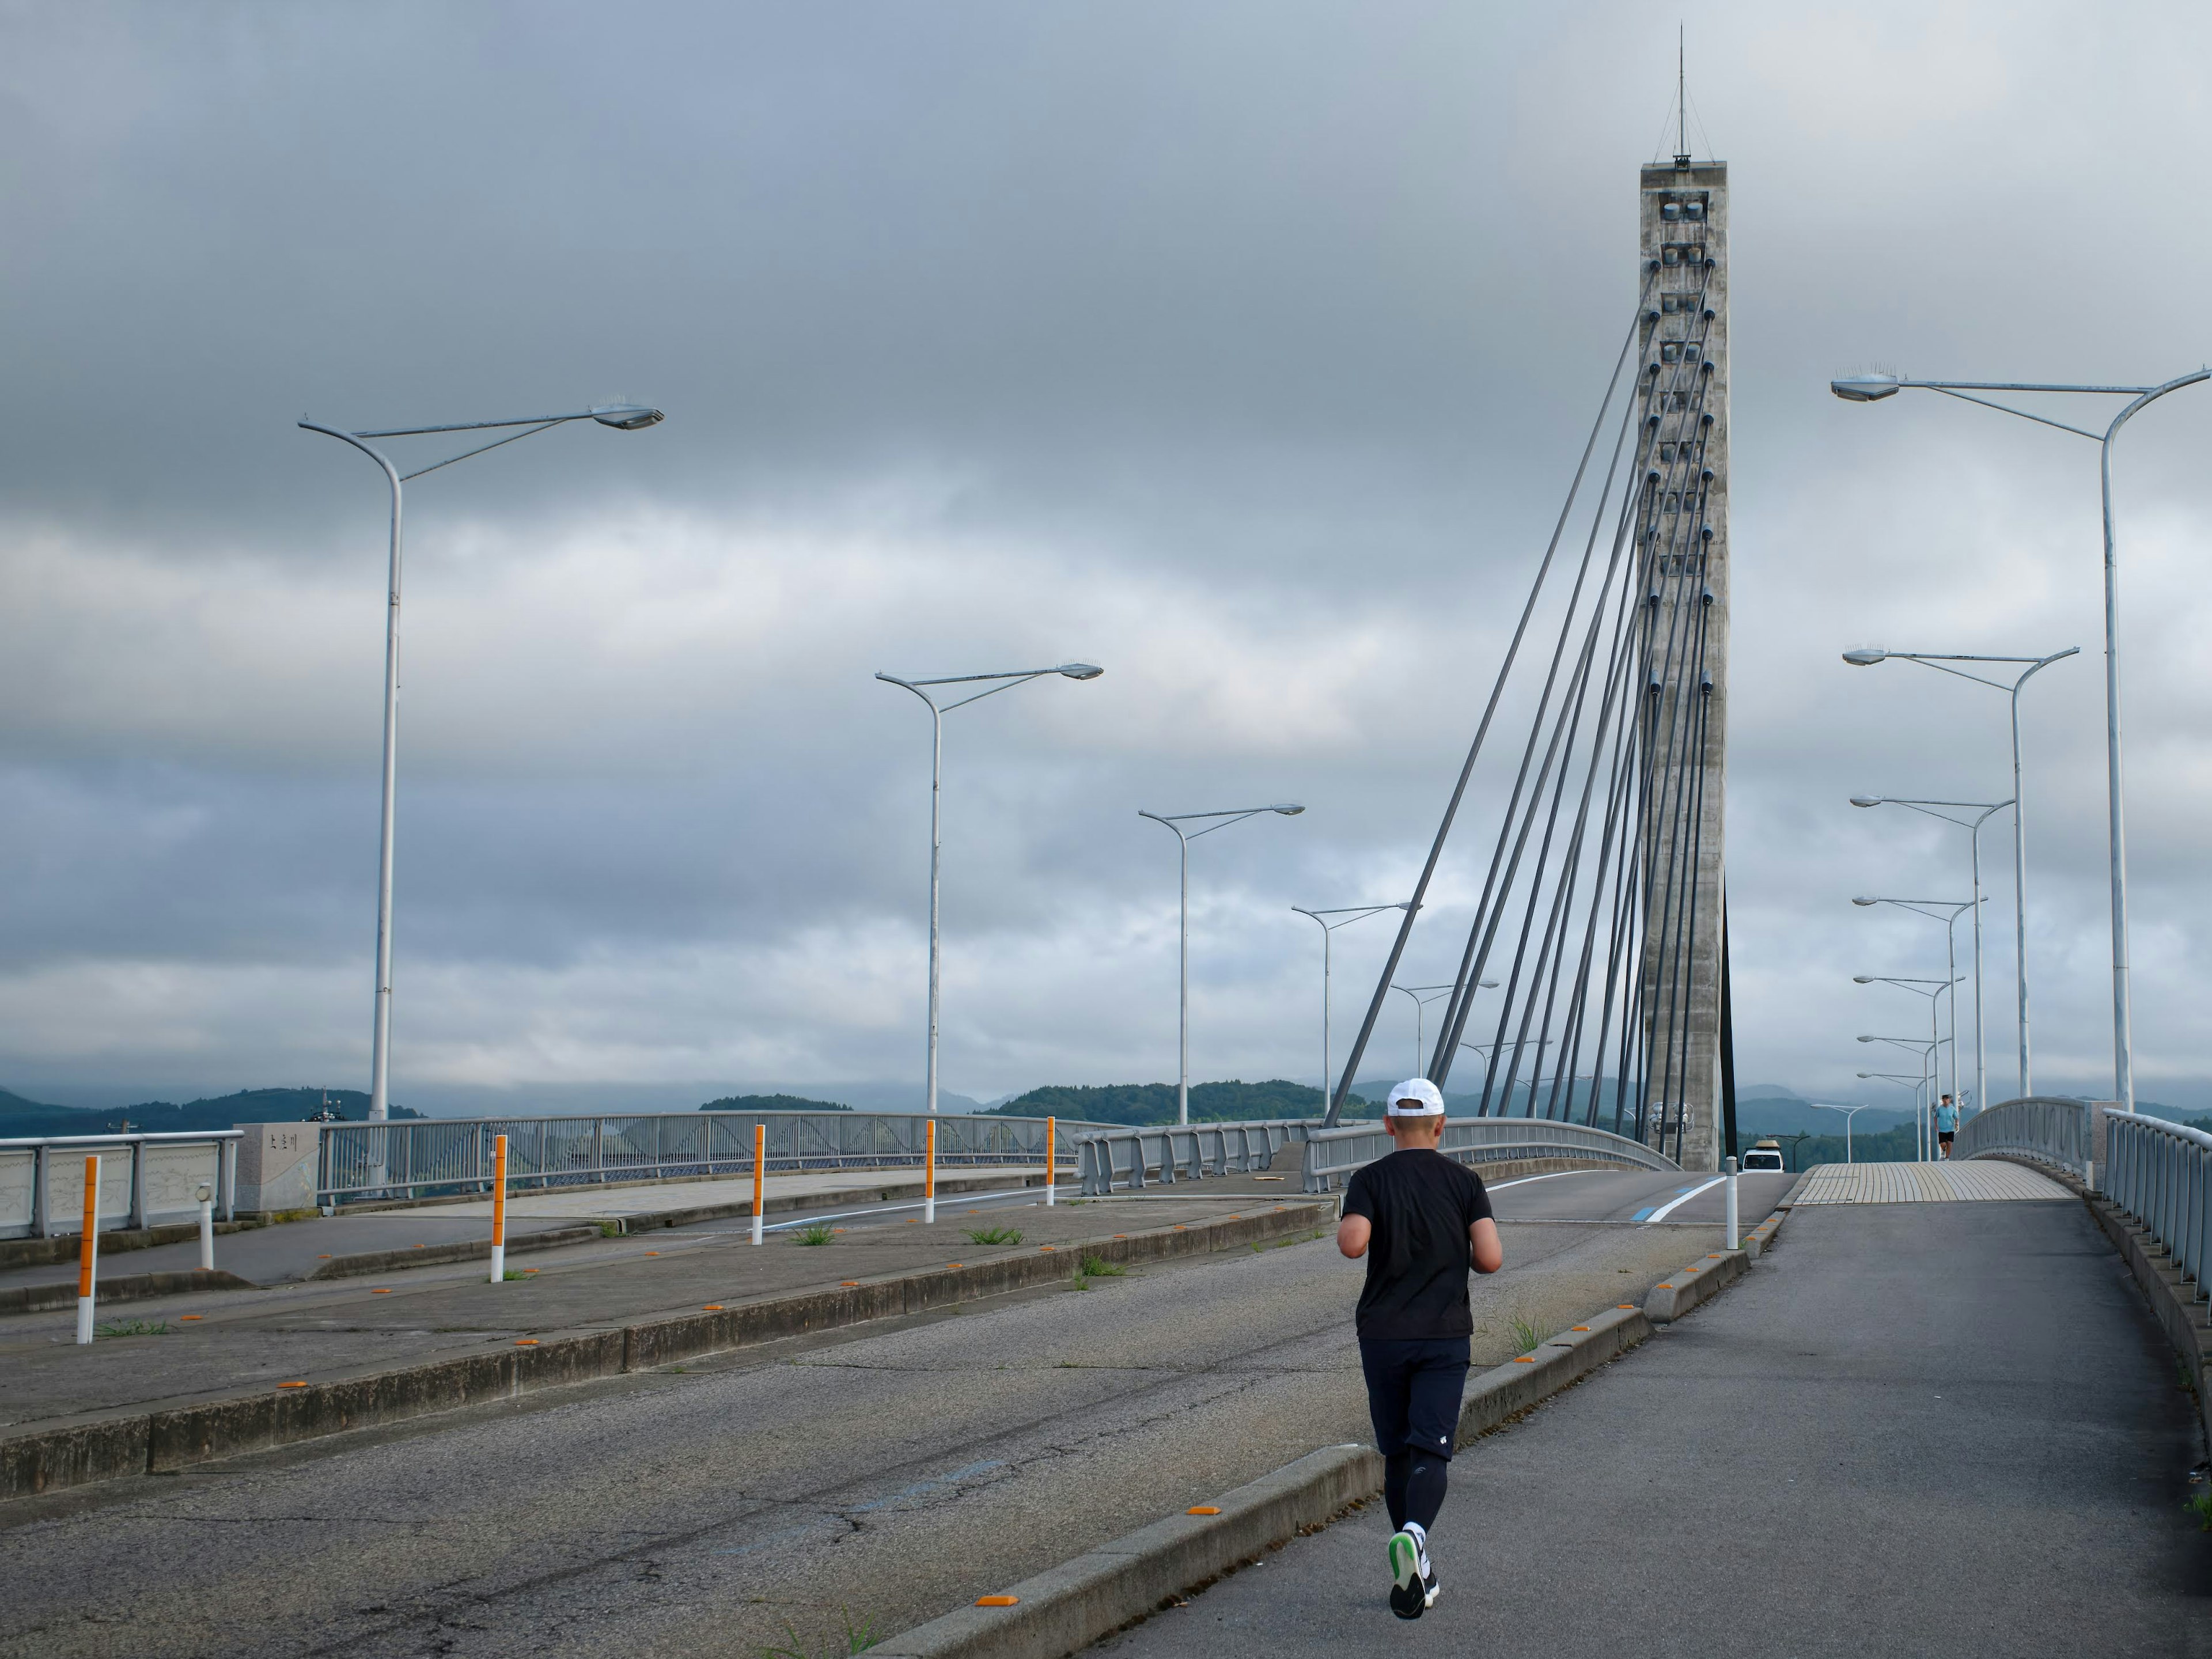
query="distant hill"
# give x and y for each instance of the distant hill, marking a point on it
(1233, 1102)
(771, 1104)
(21, 1117)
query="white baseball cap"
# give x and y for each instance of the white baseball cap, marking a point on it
(1415, 1097)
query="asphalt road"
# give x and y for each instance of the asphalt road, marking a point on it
(1917, 1429)
(883, 1475)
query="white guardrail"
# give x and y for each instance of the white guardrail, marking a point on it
(1332, 1155)
(2048, 1128)
(1130, 1159)
(420, 1158)
(144, 1180)
(2160, 1173)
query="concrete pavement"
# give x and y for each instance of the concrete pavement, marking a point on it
(890, 1472)
(1945, 1429)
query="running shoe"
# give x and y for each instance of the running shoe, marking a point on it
(1410, 1593)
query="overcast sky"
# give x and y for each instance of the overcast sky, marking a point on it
(1243, 348)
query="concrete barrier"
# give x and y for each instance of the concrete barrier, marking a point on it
(128, 1287)
(1692, 1287)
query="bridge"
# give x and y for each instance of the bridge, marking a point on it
(791, 1384)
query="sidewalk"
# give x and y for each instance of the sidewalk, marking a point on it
(1948, 1429)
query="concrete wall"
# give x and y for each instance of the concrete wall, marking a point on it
(276, 1167)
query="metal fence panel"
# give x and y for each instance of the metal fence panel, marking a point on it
(145, 1180)
(2048, 1128)
(2160, 1173)
(1332, 1155)
(424, 1157)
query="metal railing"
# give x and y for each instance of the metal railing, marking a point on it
(429, 1157)
(2047, 1129)
(144, 1180)
(2160, 1173)
(1332, 1155)
(1131, 1157)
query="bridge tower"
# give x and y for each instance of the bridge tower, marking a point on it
(1683, 222)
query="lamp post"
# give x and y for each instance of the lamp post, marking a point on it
(1946, 911)
(1176, 821)
(1488, 1051)
(622, 418)
(1871, 388)
(1421, 996)
(1914, 985)
(1006, 681)
(1848, 1112)
(1983, 811)
(1351, 913)
(1867, 657)
(1927, 1053)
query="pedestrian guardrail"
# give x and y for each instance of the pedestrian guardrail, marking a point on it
(2046, 1128)
(2160, 1173)
(145, 1180)
(426, 1157)
(1132, 1158)
(1332, 1155)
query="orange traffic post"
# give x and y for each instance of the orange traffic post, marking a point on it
(1051, 1170)
(929, 1172)
(498, 1209)
(760, 1168)
(88, 1251)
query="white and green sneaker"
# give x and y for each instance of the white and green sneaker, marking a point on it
(1411, 1584)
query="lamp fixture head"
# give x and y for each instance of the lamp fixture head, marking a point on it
(1864, 902)
(1080, 671)
(627, 418)
(1865, 656)
(1864, 388)
(1866, 800)
(1288, 809)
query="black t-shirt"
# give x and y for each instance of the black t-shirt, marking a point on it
(1420, 1205)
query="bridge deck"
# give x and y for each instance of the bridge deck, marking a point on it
(1926, 1183)
(1916, 1428)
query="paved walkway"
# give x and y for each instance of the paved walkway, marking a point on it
(1980, 1179)
(1946, 1430)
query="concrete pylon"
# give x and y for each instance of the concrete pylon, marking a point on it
(1683, 222)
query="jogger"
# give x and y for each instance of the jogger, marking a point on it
(1422, 1221)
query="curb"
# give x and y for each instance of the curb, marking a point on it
(1068, 1606)
(64, 1247)
(431, 1255)
(1694, 1286)
(130, 1287)
(160, 1441)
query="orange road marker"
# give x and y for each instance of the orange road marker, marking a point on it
(291, 1385)
(88, 1261)
(525, 1341)
(192, 1316)
(760, 1174)
(1202, 1509)
(997, 1601)
(380, 1292)
(498, 1210)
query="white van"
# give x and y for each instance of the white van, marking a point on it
(1764, 1155)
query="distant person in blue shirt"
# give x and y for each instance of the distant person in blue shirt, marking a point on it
(1947, 1124)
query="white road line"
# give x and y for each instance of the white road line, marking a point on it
(1523, 1180)
(1666, 1210)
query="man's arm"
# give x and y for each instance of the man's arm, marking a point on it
(1352, 1234)
(1489, 1248)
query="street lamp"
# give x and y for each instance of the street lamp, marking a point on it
(1006, 681)
(1871, 388)
(1914, 985)
(1421, 996)
(1946, 911)
(1927, 1053)
(1985, 811)
(1867, 657)
(1176, 821)
(1848, 1112)
(1489, 1051)
(1351, 913)
(622, 418)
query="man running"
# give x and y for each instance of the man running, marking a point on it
(1422, 1221)
(1947, 1124)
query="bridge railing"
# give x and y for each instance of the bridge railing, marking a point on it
(424, 1157)
(1130, 1158)
(1332, 1155)
(144, 1180)
(2047, 1129)
(2160, 1173)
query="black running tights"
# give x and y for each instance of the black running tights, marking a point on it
(1413, 1487)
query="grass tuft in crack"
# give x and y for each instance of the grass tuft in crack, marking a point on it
(1525, 1336)
(994, 1235)
(857, 1639)
(820, 1233)
(2201, 1507)
(133, 1327)
(1097, 1267)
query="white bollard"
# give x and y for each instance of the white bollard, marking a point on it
(1051, 1169)
(1734, 1223)
(207, 1228)
(88, 1259)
